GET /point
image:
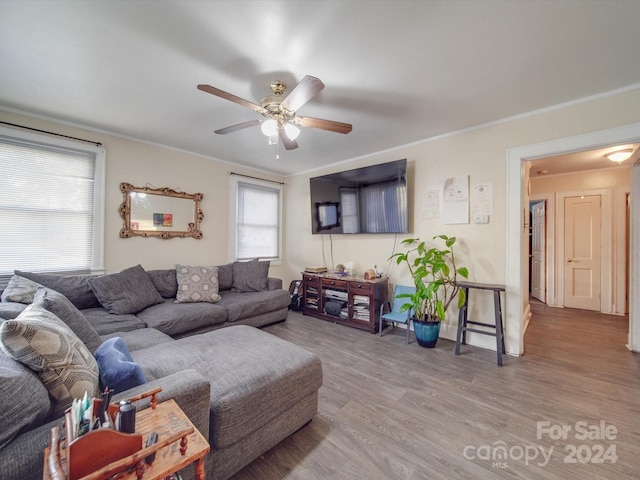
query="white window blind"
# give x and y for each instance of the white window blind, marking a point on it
(257, 221)
(50, 204)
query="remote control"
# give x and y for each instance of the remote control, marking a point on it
(153, 438)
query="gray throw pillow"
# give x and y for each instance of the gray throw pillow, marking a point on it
(129, 291)
(62, 308)
(252, 276)
(19, 382)
(19, 290)
(74, 287)
(225, 276)
(197, 284)
(165, 282)
(42, 342)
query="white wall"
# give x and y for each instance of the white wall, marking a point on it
(141, 164)
(480, 153)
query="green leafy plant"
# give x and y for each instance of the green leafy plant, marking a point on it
(434, 272)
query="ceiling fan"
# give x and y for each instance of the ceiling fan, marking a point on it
(279, 112)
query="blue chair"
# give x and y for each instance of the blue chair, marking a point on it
(393, 313)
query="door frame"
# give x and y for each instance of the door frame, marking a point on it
(551, 295)
(517, 309)
(606, 240)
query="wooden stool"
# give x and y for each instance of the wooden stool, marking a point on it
(463, 321)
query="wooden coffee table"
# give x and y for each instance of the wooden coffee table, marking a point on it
(179, 444)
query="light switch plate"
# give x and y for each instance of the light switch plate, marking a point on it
(481, 219)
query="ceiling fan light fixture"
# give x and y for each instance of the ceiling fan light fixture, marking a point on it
(291, 130)
(619, 156)
(269, 127)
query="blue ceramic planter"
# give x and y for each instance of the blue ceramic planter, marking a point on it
(426, 333)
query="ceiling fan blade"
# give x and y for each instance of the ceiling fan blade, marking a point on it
(308, 88)
(228, 96)
(238, 126)
(286, 141)
(329, 125)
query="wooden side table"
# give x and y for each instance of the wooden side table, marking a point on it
(179, 444)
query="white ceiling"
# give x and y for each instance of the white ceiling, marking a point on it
(399, 71)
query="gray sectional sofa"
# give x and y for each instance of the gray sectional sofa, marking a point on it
(243, 388)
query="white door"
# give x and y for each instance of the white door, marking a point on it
(538, 252)
(582, 252)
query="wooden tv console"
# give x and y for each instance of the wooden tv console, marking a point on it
(359, 299)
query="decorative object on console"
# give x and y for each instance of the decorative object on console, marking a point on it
(370, 274)
(315, 269)
(180, 213)
(434, 272)
(341, 270)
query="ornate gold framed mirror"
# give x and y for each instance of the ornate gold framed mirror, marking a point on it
(159, 212)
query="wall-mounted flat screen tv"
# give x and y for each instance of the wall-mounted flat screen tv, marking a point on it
(370, 199)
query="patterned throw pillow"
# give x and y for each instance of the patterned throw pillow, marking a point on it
(20, 290)
(42, 342)
(197, 284)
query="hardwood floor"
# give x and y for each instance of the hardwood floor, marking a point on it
(392, 411)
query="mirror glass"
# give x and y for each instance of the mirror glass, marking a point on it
(159, 212)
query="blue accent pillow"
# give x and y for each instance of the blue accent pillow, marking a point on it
(117, 369)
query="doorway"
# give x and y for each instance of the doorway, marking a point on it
(517, 310)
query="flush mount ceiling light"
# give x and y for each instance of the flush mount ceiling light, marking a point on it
(619, 156)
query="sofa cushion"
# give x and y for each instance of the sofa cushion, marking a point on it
(197, 284)
(18, 381)
(74, 287)
(10, 310)
(241, 305)
(117, 369)
(44, 343)
(20, 290)
(141, 338)
(175, 318)
(254, 376)
(165, 282)
(62, 308)
(129, 291)
(104, 322)
(250, 276)
(225, 276)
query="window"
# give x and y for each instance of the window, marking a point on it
(51, 204)
(256, 222)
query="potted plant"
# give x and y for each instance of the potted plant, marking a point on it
(434, 272)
